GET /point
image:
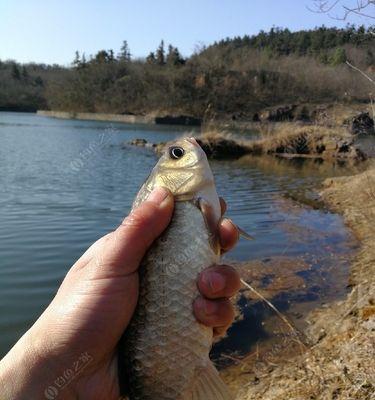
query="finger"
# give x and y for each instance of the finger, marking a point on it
(93, 250)
(139, 229)
(223, 205)
(213, 313)
(220, 330)
(228, 234)
(219, 281)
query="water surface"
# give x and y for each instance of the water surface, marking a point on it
(65, 183)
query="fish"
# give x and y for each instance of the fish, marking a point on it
(164, 352)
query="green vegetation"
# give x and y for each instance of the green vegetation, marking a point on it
(233, 78)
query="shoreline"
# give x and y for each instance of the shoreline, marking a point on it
(340, 363)
(128, 119)
(149, 119)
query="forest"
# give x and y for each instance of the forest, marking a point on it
(233, 77)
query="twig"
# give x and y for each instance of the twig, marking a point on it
(281, 316)
(368, 78)
(361, 72)
(324, 7)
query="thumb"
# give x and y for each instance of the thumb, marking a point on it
(130, 241)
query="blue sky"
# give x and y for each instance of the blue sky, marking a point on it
(51, 31)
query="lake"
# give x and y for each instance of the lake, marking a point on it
(65, 183)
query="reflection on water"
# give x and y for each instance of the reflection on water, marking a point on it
(66, 183)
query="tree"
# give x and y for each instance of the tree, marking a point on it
(160, 54)
(150, 59)
(339, 57)
(111, 56)
(104, 56)
(370, 59)
(16, 74)
(124, 54)
(25, 74)
(174, 57)
(77, 60)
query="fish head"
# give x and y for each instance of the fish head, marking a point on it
(183, 169)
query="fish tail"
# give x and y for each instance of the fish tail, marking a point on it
(208, 385)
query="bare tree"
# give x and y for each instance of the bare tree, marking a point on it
(363, 8)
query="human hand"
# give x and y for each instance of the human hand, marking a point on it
(94, 305)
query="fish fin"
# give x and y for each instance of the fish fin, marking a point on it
(211, 222)
(244, 234)
(208, 385)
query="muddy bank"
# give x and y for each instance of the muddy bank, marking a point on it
(339, 362)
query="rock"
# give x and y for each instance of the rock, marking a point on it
(138, 142)
(221, 147)
(302, 114)
(256, 117)
(279, 114)
(361, 124)
(178, 120)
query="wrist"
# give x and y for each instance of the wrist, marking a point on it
(26, 372)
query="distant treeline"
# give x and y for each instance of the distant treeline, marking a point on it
(231, 78)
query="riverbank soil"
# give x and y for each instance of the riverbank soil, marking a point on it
(339, 360)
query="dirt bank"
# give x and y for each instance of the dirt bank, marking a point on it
(340, 360)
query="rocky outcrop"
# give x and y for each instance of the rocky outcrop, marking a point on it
(306, 142)
(278, 114)
(361, 124)
(139, 143)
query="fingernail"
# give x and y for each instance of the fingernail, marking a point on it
(229, 223)
(215, 281)
(158, 195)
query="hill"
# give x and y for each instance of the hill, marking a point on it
(234, 78)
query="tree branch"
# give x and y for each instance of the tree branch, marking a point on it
(325, 7)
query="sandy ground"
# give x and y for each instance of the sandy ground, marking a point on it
(339, 360)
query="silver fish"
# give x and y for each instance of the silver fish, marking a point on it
(164, 354)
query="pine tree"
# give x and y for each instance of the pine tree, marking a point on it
(124, 54)
(25, 74)
(16, 72)
(77, 60)
(174, 57)
(338, 57)
(104, 56)
(160, 54)
(83, 61)
(150, 59)
(111, 56)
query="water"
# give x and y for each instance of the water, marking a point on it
(66, 183)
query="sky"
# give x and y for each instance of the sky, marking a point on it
(50, 31)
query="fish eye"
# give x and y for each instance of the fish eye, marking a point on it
(176, 152)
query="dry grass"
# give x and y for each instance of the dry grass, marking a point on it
(285, 139)
(292, 138)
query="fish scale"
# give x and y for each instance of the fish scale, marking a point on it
(165, 342)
